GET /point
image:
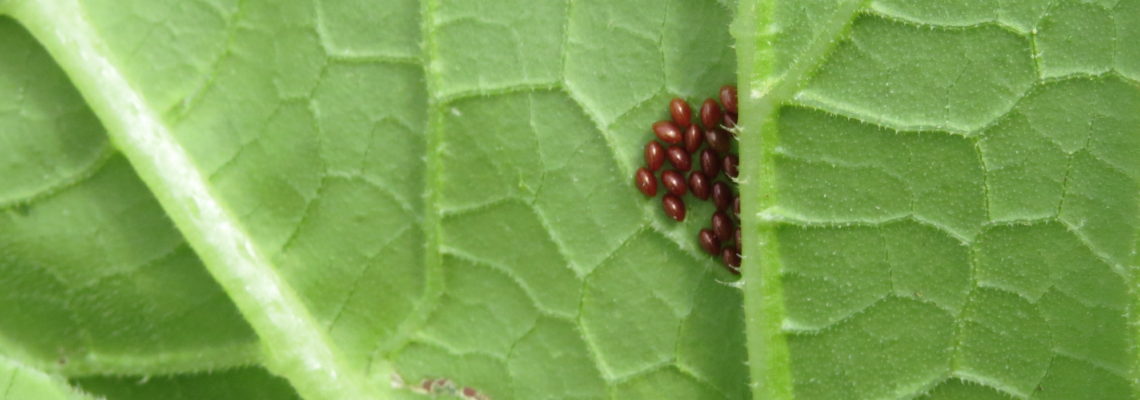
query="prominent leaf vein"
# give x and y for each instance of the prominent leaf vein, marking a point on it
(297, 347)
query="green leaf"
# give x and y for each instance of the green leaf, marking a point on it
(361, 197)
(940, 198)
(95, 278)
(237, 384)
(18, 381)
(388, 192)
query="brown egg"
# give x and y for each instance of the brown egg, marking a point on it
(674, 182)
(728, 98)
(694, 136)
(708, 241)
(654, 155)
(645, 182)
(699, 185)
(679, 157)
(674, 207)
(681, 113)
(710, 114)
(667, 131)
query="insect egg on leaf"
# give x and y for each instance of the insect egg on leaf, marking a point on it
(674, 207)
(728, 98)
(694, 137)
(654, 155)
(710, 163)
(681, 113)
(674, 182)
(708, 242)
(721, 195)
(729, 120)
(710, 114)
(679, 157)
(731, 259)
(722, 226)
(667, 131)
(719, 140)
(730, 163)
(699, 185)
(645, 182)
(682, 140)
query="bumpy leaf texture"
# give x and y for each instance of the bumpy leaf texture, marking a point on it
(347, 198)
(941, 198)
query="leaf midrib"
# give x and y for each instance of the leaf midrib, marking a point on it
(296, 344)
(770, 363)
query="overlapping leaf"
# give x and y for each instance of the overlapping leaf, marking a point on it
(947, 198)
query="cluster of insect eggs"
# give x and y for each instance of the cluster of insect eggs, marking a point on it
(711, 145)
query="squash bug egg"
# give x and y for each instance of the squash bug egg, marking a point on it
(710, 114)
(719, 140)
(699, 185)
(681, 113)
(722, 226)
(731, 259)
(721, 195)
(674, 182)
(730, 163)
(645, 182)
(729, 120)
(654, 155)
(679, 157)
(710, 163)
(667, 131)
(708, 241)
(674, 207)
(693, 138)
(728, 98)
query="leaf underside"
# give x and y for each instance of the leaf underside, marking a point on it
(445, 185)
(940, 199)
(948, 198)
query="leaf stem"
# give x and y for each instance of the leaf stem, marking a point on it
(294, 343)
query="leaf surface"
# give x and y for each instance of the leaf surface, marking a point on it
(248, 383)
(19, 381)
(95, 277)
(940, 198)
(409, 191)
